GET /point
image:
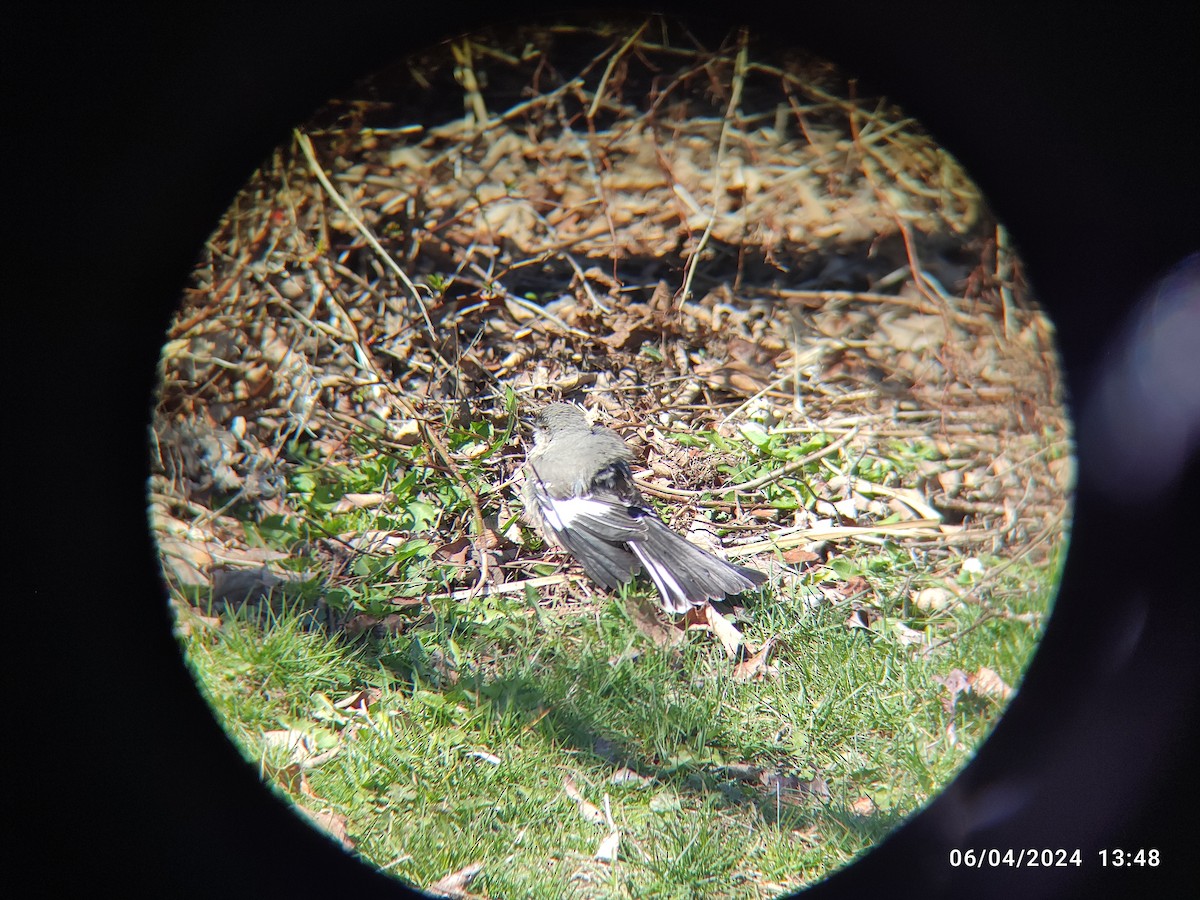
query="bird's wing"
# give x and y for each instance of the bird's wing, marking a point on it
(592, 527)
(608, 507)
(614, 535)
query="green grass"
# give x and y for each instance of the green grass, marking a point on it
(437, 775)
(481, 708)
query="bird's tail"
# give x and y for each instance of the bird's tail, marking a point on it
(686, 575)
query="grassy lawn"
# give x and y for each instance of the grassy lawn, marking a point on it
(498, 729)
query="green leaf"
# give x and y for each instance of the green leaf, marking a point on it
(422, 514)
(717, 441)
(413, 547)
(844, 568)
(651, 351)
(757, 437)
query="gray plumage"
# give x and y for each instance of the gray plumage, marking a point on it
(579, 492)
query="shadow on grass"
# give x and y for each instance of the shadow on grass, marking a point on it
(654, 712)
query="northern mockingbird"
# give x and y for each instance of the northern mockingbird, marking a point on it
(580, 493)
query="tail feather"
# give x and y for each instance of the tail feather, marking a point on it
(687, 575)
(612, 565)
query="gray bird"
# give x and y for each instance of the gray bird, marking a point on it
(579, 492)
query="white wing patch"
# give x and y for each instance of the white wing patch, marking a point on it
(570, 510)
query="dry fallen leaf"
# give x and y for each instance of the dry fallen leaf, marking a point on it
(862, 616)
(383, 542)
(956, 681)
(485, 756)
(627, 776)
(983, 683)
(749, 369)
(607, 851)
(624, 330)
(188, 562)
(237, 586)
(189, 621)
(915, 331)
(987, 683)
(913, 500)
(589, 811)
(303, 748)
(952, 734)
(455, 553)
(933, 599)
(292, 779)
(353, 501)
(360, 699)
(730, 638)
(295, 741)
(649, 621)
(799, 555)
(855, 586)
(756, 666)
(455, 884)
(863, 806)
